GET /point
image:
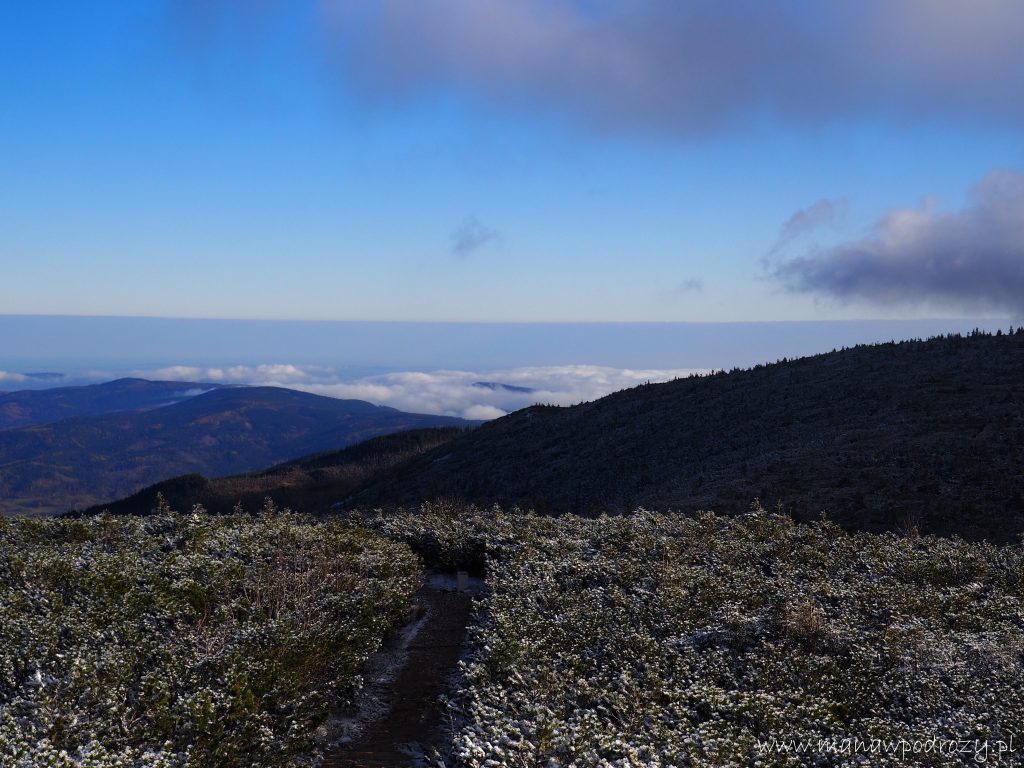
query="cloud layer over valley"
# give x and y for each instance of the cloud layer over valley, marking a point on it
(468, 394)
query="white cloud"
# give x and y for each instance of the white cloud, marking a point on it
(193, 392)
(469, 394)
(6, 376)
(236, 374)
(461, 393)
(483, 412)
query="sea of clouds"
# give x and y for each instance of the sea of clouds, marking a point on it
(469, 394)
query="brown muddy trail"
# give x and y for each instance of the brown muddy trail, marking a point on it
(414, 720)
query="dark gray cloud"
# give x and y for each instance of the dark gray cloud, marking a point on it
(691, 65)
(970, 259)
(470, 236)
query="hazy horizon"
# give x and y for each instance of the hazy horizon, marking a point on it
(420, 367)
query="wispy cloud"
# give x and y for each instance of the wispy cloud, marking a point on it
(818, 214)
(470, 236)
(969, 259)
(689, 285)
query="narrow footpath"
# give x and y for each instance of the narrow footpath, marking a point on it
(413, 720)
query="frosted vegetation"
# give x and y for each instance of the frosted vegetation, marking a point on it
(186, 640)
(643, 640)
(659, 640)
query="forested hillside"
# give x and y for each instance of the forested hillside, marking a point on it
(312, 483)
(926, 434)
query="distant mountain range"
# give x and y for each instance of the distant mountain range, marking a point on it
(78, 446)
(921, 433)
(918, 434)
(497, 386)
(44, 406)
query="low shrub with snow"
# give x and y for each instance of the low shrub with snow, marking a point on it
(450, 535)
(186, 640)
(661, 640)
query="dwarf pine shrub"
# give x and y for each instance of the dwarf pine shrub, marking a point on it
(664, 640)
(186, 640)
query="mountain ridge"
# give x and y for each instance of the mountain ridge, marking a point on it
(310, 483)
(30, 407)
(84, 460)
(916, 434)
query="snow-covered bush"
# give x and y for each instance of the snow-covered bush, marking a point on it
(186, 640)
(451, 535)
(661, 640)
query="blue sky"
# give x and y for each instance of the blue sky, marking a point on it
(491, 160)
